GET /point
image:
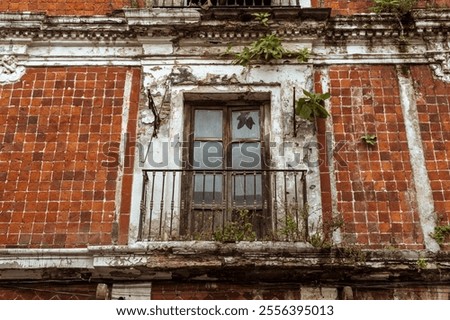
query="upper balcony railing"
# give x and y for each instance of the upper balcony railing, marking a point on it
(224, 3)
(223, 205)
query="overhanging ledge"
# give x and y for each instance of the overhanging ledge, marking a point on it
(242, 261)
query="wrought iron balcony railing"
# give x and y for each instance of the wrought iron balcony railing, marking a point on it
(224, 3)
(225, 205)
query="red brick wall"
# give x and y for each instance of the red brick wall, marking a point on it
(47, 292)
(223, 291)
(433, 106)
(374, 187)
(349, 7)
(64, 7)
(104, 7)
(325, 183)
(344, 7)
(60, 125)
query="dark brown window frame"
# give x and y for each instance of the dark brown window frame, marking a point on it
(228, 103)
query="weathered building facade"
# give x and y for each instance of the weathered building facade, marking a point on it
(139, 160)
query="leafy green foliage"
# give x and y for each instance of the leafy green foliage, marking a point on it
(399, 7)
(370, 139)
(290, 230)
(302, 55)
(239, 230)
(268, 47)
(318, 241)
(262, 17)
(441, 233)
(421, 263)
(311, 106)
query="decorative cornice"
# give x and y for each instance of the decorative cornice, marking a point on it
(372, 36)
(190, 259)
(151, 21)
(440, 64)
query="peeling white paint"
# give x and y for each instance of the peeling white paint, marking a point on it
(209, 78)
(424, 196)
(325, 82)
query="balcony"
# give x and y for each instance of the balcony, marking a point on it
(227, 3)
(223, 205)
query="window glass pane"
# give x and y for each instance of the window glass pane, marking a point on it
(208, 155)
(208, 188)
(246, 155)
(208, 124)
(247, 189)
(245, 125)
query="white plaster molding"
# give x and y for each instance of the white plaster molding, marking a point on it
(10, 70)
(440, 64)
(131, 291)
(330, 145)
(160, 16)
(424, 195)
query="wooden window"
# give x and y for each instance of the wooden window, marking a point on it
(226, 159)
(232, 2)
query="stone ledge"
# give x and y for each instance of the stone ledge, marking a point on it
(255, 261)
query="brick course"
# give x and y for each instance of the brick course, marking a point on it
(433, 107)
(104, 7)
(47, 291)
(349, 7)
(61, 125)
(223, 291)
(374, 186)
(64, 7)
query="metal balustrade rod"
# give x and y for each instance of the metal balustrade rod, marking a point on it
(209, 202)
(143, 205)
(296, 199)
(151, 205)
(162, 203)
(172, 204)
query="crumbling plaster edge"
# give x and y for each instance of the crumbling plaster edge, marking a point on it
(138, 253)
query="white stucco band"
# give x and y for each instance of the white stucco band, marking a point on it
(169, 85)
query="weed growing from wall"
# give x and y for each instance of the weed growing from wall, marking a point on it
(441, 233)
(239, 230)
(268, 47)
(398, 7)
(370, 139)
(312, 106)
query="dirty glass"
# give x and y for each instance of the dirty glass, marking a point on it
(208, 124)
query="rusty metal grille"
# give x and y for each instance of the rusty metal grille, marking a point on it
(172, 209)
(232, 2)
(224, 3)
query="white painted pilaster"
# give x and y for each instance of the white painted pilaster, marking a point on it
(424, 196)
